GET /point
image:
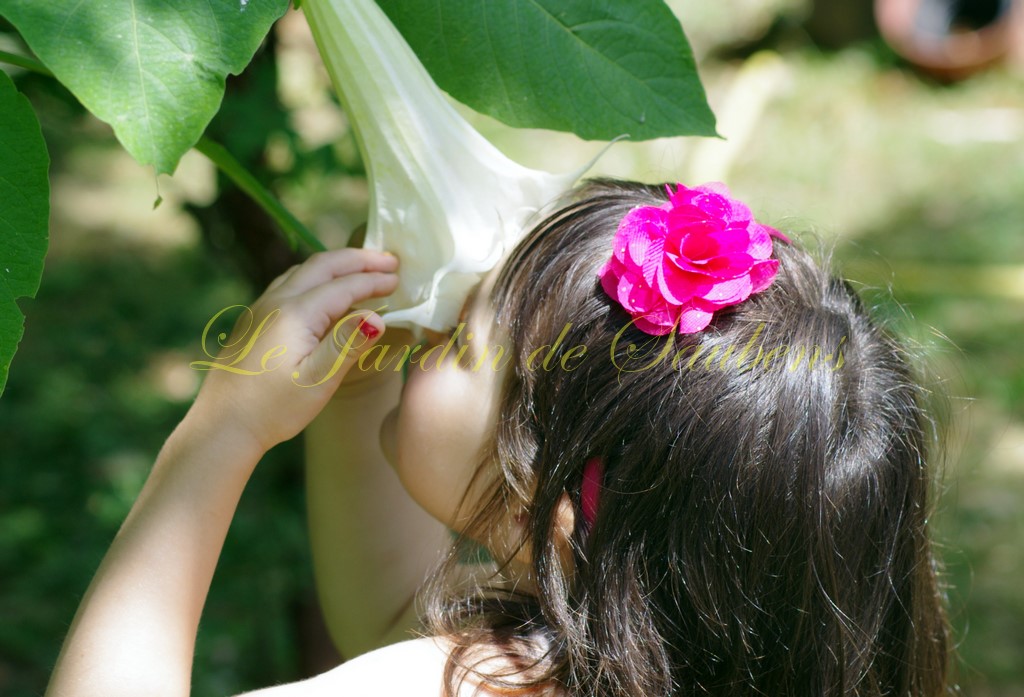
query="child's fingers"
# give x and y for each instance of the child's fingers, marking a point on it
(335, 298)
(283, 277)
(323, 267)
(338, 351)
(344, 341)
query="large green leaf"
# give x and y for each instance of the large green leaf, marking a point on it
(152, 69)
(24, 214)
(598, 69)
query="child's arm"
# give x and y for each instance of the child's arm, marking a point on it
(372, 544)
(134, 633)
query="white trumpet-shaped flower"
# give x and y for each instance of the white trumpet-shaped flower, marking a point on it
(444, 199)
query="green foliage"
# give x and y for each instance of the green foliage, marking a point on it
(87, 407)
(153, 70)
(24, 215)
(85, 414)
(156, 73)
(599, 70)
(244, 180)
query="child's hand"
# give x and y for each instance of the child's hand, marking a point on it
(375, 374)
(289, 352)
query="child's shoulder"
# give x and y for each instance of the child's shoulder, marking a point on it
(412, 668)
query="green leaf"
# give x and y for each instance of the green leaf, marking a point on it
(24, 215)
(598, 69)
(152, 69)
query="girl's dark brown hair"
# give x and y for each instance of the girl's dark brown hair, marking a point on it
(762, 527)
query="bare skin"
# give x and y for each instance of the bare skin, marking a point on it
(135, 630)
(134, 633)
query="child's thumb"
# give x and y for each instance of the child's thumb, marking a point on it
(348, 339)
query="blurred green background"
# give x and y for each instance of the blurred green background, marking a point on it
(918, 186)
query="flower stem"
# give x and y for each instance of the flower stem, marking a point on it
(234, 170)
(25, 62)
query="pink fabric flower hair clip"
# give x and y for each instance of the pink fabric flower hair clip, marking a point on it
(673, 266)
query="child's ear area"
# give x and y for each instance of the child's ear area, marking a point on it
(564, 524)
(565, 520)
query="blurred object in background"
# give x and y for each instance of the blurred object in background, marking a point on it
(952, 39)
(833, 24)
(737, 26)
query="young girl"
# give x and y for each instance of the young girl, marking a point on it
(697, 464)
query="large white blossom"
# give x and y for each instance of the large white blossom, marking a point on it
(444, 199)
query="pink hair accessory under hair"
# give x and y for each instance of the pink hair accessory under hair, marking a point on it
(593, 474)
(673, 266)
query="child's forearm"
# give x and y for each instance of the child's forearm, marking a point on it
(134, 633)
(372, 544)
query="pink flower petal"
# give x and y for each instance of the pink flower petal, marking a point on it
(625, 291)
(687, 219)
(654, 260)
(760, 241)
(683, 196)
(732, 239)
(613, 268)
(640, 239)
(609, 280)
(698, 247)
(729, 292)
(738, 211)
(663, 317)
(679, 263)
(762, 274)
(679, 286)
(778, 235)
(729, 265)
(643, 222)
(619, 248)
(637, 245)
(645, 325)
(636, 296)
(714, 205)
(693, 320)
(717, 268)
